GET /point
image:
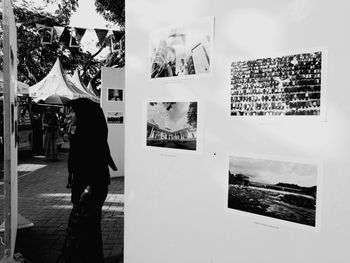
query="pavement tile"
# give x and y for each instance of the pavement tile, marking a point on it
(44, 200)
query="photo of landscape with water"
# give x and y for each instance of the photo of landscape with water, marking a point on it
(278, 189)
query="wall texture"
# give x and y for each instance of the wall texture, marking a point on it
(176, 204)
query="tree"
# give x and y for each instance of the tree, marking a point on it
(35, 59)
(192, 114)
(112, 10)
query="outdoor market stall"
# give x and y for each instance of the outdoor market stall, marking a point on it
(25, 129)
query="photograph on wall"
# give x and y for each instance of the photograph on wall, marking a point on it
(115, 117)
(182, 51)
(172, 125)
(277, 86)
(274, 188)
(115, 95)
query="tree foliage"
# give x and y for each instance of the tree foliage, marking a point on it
(29, 12)
(35, 59)
(192, 114)
(65, 8)
(112, 10)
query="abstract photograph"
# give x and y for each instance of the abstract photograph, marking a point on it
(183, 50)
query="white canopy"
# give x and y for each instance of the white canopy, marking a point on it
(90, 89)
(56, 82)
(77, 83)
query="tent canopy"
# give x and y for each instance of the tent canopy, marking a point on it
(90, 89)
(56, 82)
(75, 80)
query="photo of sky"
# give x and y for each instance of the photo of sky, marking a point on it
(169, 115)
(273, 172)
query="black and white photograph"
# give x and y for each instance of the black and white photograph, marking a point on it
(115, 117)
(277, 86)
(115, 95)
(279, 189)
(181, 51)
(172, 125)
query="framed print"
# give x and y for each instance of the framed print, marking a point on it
(182, 51)
(115, 95)
(285, 85)
(115, 117)
(172, 125)
(286, 190)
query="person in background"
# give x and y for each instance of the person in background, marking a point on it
(50, 127)
(37, 132)
(88, 161)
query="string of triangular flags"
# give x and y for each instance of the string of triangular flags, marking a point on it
(77, 33)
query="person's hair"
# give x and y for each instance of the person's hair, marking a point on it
(91, 122)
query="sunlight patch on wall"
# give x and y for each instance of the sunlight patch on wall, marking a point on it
(254, 31)
(136, 64)
(298, 10)
(151, 13)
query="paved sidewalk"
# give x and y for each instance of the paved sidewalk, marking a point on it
(44, 200)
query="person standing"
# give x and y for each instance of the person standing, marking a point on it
(37, 132)
(88, 161)
(50, 127)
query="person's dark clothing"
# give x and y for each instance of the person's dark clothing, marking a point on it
(89, 154)
(88, 161)
(37, 135)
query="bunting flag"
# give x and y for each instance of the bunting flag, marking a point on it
(73, 42)
(39, 26)
(46, 35)
(80, 32)
(101, 34)
(77, 33)
(117, 45)
(76, 36)
(118, 35)
(90, 41)
(59, 30)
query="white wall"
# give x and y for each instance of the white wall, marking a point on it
(176, 205)
(113, 78)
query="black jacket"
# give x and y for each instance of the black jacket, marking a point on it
(89, 154)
